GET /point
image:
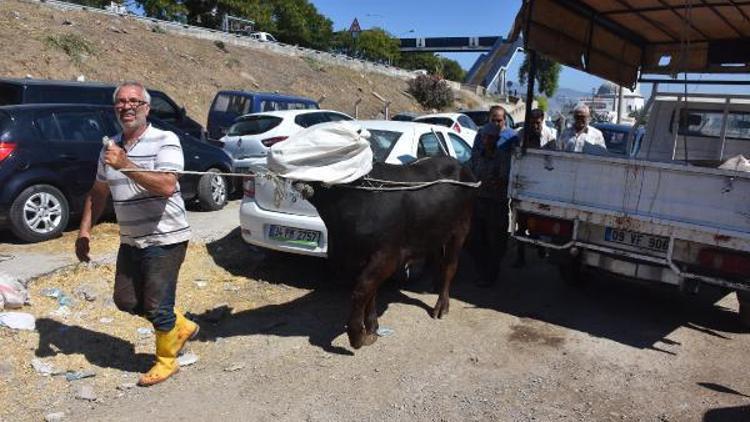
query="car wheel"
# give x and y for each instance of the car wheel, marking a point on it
(212, 191)
(39, 213)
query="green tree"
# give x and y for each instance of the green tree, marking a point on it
(372, 44)
(543, 103)
(343, 42)
(435, 65)
(290, 21)
(427, 61)
(164, 9)
(452, 70)
(210, 13)
(547, 74)
(377, 45)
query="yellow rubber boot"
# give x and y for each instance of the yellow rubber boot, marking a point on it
(186, 329)
(167, 347)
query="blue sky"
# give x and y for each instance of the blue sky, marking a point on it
(442, 18)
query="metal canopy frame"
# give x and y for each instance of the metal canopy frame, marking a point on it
(625, 40)
(619, 40)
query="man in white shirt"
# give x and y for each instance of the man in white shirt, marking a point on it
(541, 136)
(154, 231)
(581, 137)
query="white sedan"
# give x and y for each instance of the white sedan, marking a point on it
(248, 139)
(289, 223)
(459, 122)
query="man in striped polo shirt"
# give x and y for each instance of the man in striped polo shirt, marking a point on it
(154, 231)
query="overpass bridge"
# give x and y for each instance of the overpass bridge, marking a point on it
(447, 44)
(489, 71)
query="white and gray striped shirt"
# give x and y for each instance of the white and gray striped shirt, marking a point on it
(146, 219)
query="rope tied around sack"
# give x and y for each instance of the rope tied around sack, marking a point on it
(371, 184)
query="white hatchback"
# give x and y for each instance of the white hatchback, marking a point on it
(459, 122)
(286, 222)
(248, 139)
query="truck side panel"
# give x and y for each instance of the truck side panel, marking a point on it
(672, 196)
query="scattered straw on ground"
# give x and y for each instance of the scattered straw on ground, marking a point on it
(69, 341)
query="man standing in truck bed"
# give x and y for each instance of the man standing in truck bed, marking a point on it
(581, 137)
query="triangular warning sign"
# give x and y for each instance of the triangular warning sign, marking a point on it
(354, 28)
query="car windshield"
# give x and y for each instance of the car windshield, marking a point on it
(615, 140)
(440, 121)
(254, 125)
(478, 117)
(381, 142)
(402, 118)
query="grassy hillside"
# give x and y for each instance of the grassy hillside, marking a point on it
(45, 42)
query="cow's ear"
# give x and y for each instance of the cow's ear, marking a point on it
(304, 189)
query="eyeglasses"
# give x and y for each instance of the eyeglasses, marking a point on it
(130, 102)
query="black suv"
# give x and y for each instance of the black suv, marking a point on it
(48, 158)
(34, 91)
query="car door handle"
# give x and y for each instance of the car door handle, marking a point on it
(69, 157)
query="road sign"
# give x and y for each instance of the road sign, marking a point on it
(355, 28)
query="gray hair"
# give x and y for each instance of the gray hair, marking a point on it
(583, 108)
(146, 95)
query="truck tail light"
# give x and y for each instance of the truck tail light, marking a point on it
(248, 187)
(457, 127)
(275, 140)
(546, 226)
(724, 261)
(6, 148)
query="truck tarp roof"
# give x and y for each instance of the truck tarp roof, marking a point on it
(615, 39)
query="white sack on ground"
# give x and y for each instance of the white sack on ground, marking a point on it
(737, 163)
(13, 294)
(331, 153)
(18, 321)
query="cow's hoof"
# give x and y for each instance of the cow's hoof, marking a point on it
(440, 309)
(359, 340)
(369, 339)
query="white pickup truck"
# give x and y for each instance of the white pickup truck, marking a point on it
(662, 214)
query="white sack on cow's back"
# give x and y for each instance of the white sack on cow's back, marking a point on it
(736, 163)
(331, 153)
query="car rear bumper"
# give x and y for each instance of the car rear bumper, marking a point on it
(630, 268)
(255, 223)
(242, 164)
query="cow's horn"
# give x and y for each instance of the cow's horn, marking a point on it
(306, 190)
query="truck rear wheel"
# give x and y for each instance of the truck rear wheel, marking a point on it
(571, 273)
